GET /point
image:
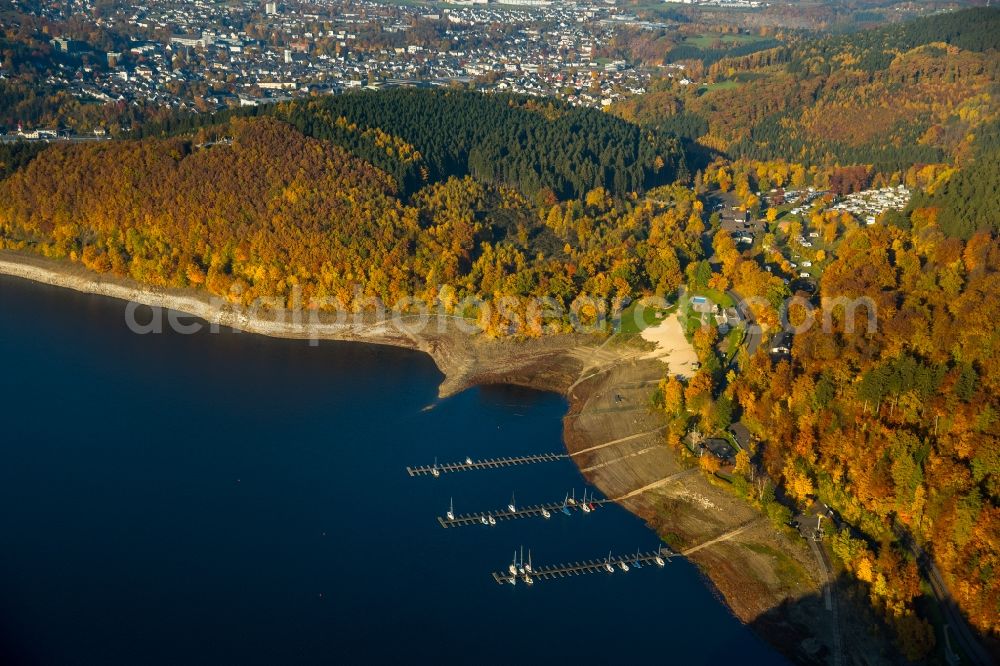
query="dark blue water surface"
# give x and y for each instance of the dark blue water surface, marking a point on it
(231, 498)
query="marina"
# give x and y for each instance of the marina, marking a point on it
(611, 564)
(266, 503)
(514, 512)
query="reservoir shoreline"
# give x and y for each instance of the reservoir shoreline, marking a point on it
(614, 438)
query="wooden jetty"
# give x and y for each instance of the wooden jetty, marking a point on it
(587, 566)
(534, 511)
(489, 463)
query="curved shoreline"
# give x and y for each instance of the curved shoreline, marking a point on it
(465, 359)
(613, 436)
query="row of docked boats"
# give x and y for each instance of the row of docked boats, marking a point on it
(518, 568)
(636, 561)
(586, 505)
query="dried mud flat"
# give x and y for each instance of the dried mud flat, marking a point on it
(769, 579)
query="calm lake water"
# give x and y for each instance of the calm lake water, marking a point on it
(231, 498)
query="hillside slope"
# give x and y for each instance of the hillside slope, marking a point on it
(889, 97)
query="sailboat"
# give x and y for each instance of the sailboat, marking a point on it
(451, 509)
(622, 565)
(565, 508)
(468, 460)
(435, 472)
(545, 513)
(526, 569)
(492, 520)
(607, 564)
(512, 506)
(572, 500)
(483, 520)
(520, 566)
(584, 505)
(636, 563)
(512, 567)
(658, 559)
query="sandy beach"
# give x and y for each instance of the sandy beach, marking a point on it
(672, 347)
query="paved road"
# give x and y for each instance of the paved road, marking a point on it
(754, 334)
(831, 601)
(956, 621)
(964, 636)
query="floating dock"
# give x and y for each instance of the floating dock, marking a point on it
(490, 463)
(534, 511)
(587, 567)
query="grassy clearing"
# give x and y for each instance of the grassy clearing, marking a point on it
(706, 40)
(720, 298)
(721, 85)
(634, 319)
(788, 571)
(732, 342)
(690, 322)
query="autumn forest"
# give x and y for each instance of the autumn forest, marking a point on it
(449, 194)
